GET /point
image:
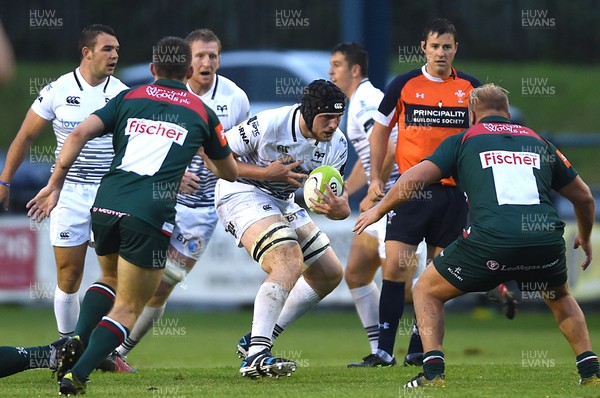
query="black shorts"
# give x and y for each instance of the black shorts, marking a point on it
(135, 240)
(471, 267)
(438, 213)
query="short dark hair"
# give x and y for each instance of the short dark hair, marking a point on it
(355, 54)
(172, 58)
(90, 33)
(440, 26)
(206, 35)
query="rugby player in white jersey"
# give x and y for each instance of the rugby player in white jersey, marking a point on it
(349, 71)
(65, 103)
(196, 216)
(277, 149)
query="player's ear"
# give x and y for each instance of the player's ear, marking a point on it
(190, 72)
(423, 45)
(472, 117)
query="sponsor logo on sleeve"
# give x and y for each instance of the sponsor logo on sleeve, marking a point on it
(563, 158)
(221, 134)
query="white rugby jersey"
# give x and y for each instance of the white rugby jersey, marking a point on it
(231, 105)
(67, 102)
(362, 107)
(275, 134)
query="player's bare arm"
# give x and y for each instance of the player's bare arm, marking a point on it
(31, 128)
(279, 170)
(414, 179)
(579, 194)
(43, 203)
(379, 144)
(357, 178)
(389, 161)
(226, 168)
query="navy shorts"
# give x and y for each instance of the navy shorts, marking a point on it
(133, 239)
(473, 267)
(438, 213)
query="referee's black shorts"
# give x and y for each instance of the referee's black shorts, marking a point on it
(438, 213)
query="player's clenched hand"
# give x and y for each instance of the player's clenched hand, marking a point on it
(189, 183)
(367, 218)
(375, 192)
(586, 245)
(332, 206)
(43, 203)
(282, 170)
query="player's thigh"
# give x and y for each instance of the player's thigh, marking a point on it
(247, 210)
(70, 220)
(432, 284)
(136, 285)
(109, 266)
(193, 230)
(70, 259)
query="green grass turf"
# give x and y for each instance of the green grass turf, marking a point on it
(192, 354)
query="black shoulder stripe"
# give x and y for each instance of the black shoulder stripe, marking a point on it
(393, 90)
(473, 80)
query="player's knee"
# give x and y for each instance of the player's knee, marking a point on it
(314, 246)
(355, 279)
(276, 235)
(174, 272)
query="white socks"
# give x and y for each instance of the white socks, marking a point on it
(302, 298)
(268, 304)
(66, 311)
(148, 318)
(366, 301)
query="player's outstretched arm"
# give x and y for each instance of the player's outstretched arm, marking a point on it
(226, 168)
(31, 128)
(579, 194)
(379, 145)
(414, 179)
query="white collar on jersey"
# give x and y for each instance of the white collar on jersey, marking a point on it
(213, 88)
(366, 79)
(433, 78)
(77, 75)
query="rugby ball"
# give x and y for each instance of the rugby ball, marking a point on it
(319, 178)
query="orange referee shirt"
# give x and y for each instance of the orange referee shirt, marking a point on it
(427, 109)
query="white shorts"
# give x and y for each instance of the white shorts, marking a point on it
(70, 220)
(241, 205)
(377, 230)
(193, 229)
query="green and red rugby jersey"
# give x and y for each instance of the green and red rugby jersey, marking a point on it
(157, 129)
(508, 172)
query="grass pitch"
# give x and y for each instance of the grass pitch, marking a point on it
(192, 354)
